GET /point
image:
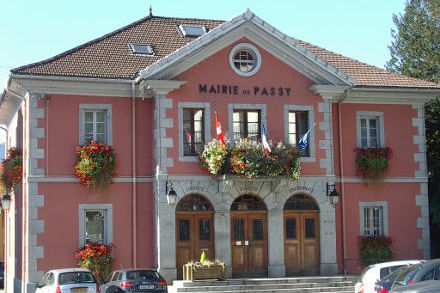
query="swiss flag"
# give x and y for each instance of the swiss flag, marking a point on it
(219, 129)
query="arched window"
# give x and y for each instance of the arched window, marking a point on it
(195, 203)
(248, 202)
(300, 202)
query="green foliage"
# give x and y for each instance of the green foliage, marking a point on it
(213, 157)
(247, 159)
(95, 165)
(373, 163)
(415, 52)
(97, 257)
(375, 249)
(11, 171)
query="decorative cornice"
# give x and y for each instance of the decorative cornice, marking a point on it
(374, 95)
(76, 85)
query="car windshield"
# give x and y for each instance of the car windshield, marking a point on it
(394, 274)
(75, 277)
(142, 274)
(407, 275)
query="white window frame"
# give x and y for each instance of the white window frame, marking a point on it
(108, 221)
(253, 50)
(206, 107)
(232, 107)
(311, 118)
(83, 108)
(370, 115)
(373, 204)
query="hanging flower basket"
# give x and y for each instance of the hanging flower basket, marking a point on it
(11, 171)
(375, 249)
(373, 163)
(213, 157)
(97, 257)
(95, 165)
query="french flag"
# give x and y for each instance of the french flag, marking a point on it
(265, 140)
(219, 130)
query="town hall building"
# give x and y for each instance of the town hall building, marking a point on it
(152, 90)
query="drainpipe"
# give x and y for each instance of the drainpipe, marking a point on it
(5, 252)
(133, 151)
(341, 177)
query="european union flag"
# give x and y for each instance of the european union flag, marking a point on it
(303, 143)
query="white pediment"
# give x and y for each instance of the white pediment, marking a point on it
(253, 28)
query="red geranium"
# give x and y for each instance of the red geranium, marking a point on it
(95, 165)
(373, 163)
(97, 257)
(11, 170)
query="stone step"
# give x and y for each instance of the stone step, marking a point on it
(259, 281)
(266, 285)
(298, 290)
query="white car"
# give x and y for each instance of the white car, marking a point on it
(371, 274)
(73, 280)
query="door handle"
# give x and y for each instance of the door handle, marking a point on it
(246, 242)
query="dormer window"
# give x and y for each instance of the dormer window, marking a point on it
(192, 30)
(141, 49)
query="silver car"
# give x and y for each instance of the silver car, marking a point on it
(432, 286)
(72, 280)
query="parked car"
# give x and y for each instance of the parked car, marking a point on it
(134, 280)
(425, 271)
(384, 284)
(432, 286)
(72, 280)
(2, 274)
(371, 274)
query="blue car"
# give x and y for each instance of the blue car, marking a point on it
(134, 280)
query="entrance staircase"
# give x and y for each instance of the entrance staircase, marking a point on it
(332, 284)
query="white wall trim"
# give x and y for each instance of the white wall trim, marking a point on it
(232, 107)
(370, 114)
(108, 123)
(108, 221)
(311, 117)
(207, 126)
(383, 204)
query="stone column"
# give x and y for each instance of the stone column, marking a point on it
(222, 228)
(275, 231)
(166, 236)
(329, 265)
(34, 226)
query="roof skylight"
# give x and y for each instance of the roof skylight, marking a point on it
(192, 30)
(141, 49)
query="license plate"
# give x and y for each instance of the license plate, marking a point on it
(80, 290)
(145, 287)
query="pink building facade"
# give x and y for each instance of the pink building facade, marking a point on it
(144, 88)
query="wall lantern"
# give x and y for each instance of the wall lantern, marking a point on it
(171, 193)
(332, 194)
(6, 201)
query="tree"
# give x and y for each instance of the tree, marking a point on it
(415, 52)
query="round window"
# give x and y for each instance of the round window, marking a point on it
(245, 59)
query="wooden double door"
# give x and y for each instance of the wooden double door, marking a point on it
(194, 234)
(301, 242)
(249, 244)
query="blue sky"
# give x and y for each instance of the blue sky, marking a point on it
(31, 31)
